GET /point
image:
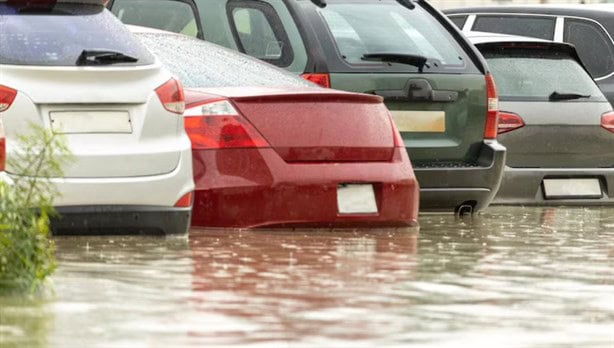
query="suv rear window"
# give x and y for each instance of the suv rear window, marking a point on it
(58, 36)
(202, 64)
(175, 16)
(534, 74)
(388, 27)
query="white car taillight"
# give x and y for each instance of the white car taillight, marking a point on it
(218, 125)
(607, 121)
(7, 96)
(492, 99)
(509, 121)
(172, 97)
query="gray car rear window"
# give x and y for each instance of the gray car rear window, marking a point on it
(202, 64)
(57, 36)
(534, 74)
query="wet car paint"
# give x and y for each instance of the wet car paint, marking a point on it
(513, 277)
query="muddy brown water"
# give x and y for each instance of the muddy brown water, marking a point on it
(513, 277)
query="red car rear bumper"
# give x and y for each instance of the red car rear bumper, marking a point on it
(250, 188)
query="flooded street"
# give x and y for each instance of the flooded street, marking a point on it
(513, 277)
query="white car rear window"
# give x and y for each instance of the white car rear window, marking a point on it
(534, 74)
(57, 35)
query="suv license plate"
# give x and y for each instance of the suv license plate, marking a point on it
(356, 199)
(572, 189)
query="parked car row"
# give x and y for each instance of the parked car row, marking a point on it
(164, 123)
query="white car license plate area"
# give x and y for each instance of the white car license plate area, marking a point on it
(356, 199)
(420, 121)
(572, 188)
(72, 122)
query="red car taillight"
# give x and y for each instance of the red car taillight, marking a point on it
(218, 125)
(185, 201)
(607, 121)
(509, 121)
(172, 97)
(7, 96)
(490, 129)
(322, 80)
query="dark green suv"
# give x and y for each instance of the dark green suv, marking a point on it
(434, 82)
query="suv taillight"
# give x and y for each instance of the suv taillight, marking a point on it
(492, 100)
(509, 121)
(218, 125)
(607, 121)
(322, 80)
(7, 96)
(171, 96)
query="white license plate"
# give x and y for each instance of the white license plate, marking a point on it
(420, 121)
(356, 199)
(73, 122)
(572, 188)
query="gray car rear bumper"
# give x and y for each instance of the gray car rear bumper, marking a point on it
(524, 185)
(121, 220)
(446, 189)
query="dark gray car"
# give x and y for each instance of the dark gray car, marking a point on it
(556, 124)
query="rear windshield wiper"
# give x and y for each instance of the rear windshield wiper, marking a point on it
(567, 96)
(98, 57)
(409, 59)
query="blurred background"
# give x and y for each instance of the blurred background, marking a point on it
(460, 3)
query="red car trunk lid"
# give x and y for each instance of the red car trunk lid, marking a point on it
(317, 125)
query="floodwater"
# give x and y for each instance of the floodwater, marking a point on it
(513, 277)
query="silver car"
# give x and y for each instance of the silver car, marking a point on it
(71, 67)
(555, 122)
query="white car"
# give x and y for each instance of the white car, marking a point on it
(70, 66)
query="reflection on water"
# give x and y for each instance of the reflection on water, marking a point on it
(514, 277)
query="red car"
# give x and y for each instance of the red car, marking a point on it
(272, 150)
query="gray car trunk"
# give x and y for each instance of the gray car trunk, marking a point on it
(559, 135)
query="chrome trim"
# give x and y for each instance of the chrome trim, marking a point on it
(559, 29)
(469, 23)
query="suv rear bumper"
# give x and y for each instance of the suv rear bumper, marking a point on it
(524, 185)
(121, 220)
(446, 189)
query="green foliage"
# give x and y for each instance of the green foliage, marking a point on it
(26, 251)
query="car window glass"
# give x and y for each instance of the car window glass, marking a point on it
(259, 32)
(256, 34)
(389, 28)
(175, 16)
(536, 74)
(593, 45)
(57, 37)
(531, 26)
(459, 21)
(202, 64)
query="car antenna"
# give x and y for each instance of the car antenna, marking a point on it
(319, 3)
(407, 3)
